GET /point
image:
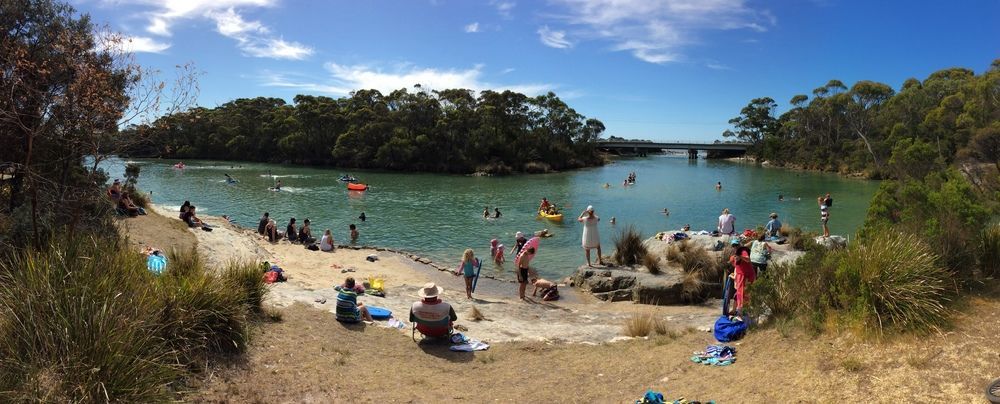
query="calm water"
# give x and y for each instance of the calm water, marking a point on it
(441, 215)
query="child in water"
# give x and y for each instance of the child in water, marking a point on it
(468, 269)
(354, 233)
(499, 258)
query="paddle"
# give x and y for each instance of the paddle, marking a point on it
(479, 266)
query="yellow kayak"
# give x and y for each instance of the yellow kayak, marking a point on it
(555, 218)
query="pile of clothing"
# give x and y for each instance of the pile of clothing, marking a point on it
(715, 355)
(652, 397)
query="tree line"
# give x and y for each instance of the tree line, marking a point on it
(452, 131)
(954, 111)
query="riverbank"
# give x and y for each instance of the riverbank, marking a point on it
(309, 357)
(575, 318)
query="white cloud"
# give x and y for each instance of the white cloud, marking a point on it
(504, 8)
(507, 70)
(655, 31)
(717, 66)
(345, 78)
(472, 28)
(252, 37)
(117, 42)
(554, 39)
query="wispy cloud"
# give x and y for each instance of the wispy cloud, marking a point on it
(256, 40)
(507, 70)
(504, 8)
(656, 31)
(554, 39)
(717, 66)
(252, 37)
(346, 78)
(472, 28)
(142, 44)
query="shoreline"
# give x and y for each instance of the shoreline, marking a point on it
(576, 317)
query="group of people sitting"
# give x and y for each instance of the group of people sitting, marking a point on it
(548, 207)
(303, 234)
(188, 215)
(431, 316)
(123, 203)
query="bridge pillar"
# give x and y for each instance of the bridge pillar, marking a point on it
(692, 154)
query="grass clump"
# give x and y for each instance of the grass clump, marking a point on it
(629, 249)
(85, 321)
(893, 281)
(701, 270)
(652, 263)
(644, 324)
(989, 251)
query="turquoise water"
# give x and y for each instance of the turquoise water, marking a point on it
(441, 215)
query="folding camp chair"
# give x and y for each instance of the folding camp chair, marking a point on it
(442, 324)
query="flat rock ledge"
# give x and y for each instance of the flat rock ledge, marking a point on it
(616, 284)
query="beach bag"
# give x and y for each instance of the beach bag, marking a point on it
(270, 277)
(727, 329)
(313, 247)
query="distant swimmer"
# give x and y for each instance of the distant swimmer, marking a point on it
(496, 213)
(781, 198)
(362, 217)
(666, 211)
(606, 185)
(718, 186)
(486, 212)
(612, 221)
(230, 179)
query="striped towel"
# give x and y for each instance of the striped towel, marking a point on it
(156, 263)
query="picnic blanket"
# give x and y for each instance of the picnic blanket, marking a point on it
(715, 355)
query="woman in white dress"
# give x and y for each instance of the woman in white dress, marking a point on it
(591, 239)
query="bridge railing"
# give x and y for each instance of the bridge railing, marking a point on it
(695, 142)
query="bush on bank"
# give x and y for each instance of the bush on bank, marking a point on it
(85, 320)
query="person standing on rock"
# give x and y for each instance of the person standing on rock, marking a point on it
(591, 238)
(824, 215)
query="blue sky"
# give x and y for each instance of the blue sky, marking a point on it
(651, 69)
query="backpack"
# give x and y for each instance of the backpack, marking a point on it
(727, 329)
(270, 277)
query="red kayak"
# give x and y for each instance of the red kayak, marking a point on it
(356, 187)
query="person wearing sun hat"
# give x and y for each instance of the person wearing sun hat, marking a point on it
(591, 238)
(519, 241)
(431, 308)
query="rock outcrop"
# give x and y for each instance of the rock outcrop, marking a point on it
(631, 284)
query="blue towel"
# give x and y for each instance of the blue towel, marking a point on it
(156, 263)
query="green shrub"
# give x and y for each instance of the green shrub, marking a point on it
(800, 291)
(629, 249)
(76, 327)
(989, 251)
(84, 320)
(246, 277)
(892, 281)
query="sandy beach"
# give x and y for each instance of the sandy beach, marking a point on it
(575, 318)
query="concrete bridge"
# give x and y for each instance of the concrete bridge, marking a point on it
(641, 148)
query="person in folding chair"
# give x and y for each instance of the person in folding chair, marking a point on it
(430, 316)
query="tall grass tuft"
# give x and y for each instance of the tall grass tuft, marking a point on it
(652, 263)
(245, 276)
(989, 251)
(629, 249)
(76, 327)
(892, 281)
(85, 321)
(643, 324)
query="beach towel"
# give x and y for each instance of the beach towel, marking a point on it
(470, 345)
(715, 355)
(156, 263)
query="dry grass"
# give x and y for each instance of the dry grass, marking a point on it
(644, 325)
(700, 269)
(475, 314)
(629, 249)
(810, 367)
(652, 263)
(853, 365)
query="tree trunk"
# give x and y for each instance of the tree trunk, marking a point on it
(869, 146)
